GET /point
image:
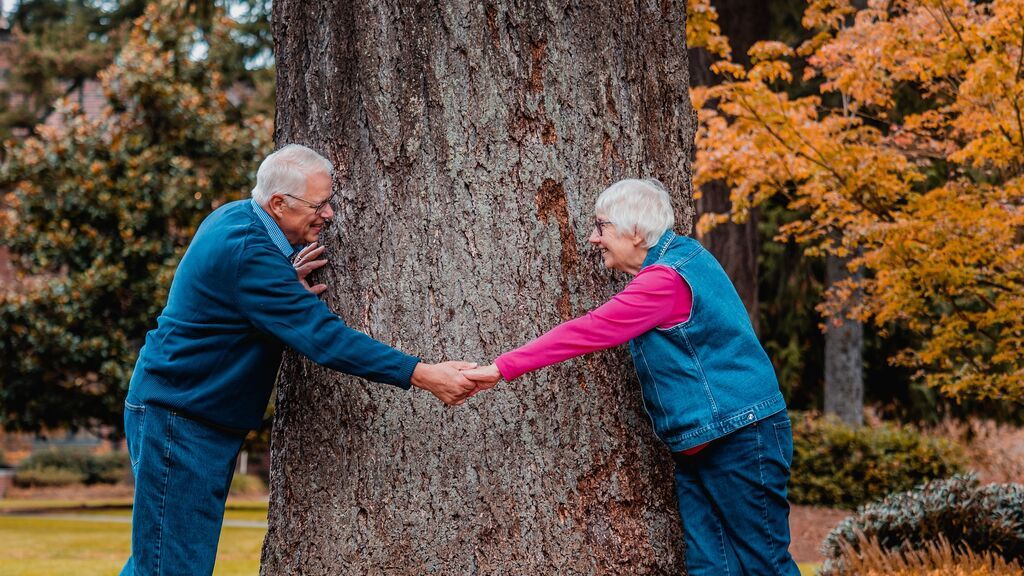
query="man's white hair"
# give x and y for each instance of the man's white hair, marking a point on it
(640, 206)
(286, 171)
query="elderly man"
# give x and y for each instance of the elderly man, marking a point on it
(205, 373)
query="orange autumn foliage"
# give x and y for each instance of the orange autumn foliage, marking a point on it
(909, 162)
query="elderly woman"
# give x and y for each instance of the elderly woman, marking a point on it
(708, 386)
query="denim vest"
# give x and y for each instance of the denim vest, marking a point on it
(709, 375)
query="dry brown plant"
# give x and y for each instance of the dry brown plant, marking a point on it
(995, 451)
(939, 558)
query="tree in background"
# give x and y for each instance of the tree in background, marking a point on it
(56, 46)
(97, 213)
(789, 283)
(737, 245)
(909, 164)
(734, 25)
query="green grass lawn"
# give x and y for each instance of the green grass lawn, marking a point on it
(247, 514)
(40, 546)
(251, 510)
(32, 504)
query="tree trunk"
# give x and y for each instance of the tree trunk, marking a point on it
(844, 346)
(471, 140)
(736, 246)
(844, 365)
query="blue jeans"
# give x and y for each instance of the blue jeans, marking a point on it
(182, 472)
(732, 501)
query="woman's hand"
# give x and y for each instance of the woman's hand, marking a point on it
(485, 377)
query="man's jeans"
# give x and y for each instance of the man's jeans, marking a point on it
(732, 501)
(182, 472)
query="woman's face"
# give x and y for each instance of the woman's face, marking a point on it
(621, 251)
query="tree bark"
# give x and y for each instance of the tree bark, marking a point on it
(736, 246)
(470, 141)
(844, 347)
(844, 364)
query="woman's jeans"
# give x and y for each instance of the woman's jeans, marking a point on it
(732, 501)
(182, 472)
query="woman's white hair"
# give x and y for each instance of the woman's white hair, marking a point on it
(640, 206)
(286, 171)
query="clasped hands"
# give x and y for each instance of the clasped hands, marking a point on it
(454, 382)
(451, 382)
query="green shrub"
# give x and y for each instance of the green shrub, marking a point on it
(983, 519)
(111, 468)
(91, 469)
(247, 485)
(840, 466)
(47, 476)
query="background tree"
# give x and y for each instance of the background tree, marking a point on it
(471, 140)
(909, 164)
(57, 45)
(788, 282)
(844, 337)
(844, 350)
(98, 212)
(736, 243)
(728, 28)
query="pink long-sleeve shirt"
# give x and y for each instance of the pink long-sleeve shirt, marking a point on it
(657, 297)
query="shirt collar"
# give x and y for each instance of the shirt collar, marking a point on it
(276, 235)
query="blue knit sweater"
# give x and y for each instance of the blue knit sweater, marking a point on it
(233, 306)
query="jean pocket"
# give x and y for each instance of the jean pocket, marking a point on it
(784, 441)
(134, 419)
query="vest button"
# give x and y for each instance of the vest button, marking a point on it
(750, 417)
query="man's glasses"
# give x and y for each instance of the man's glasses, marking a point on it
(599, 226)
(317, 208)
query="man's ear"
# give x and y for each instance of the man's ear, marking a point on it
(276, 205)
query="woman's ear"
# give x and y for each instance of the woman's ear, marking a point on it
(638, 239)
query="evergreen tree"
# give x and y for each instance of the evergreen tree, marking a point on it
(57, 45)
(97, 213)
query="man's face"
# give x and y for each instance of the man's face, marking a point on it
(298, 218)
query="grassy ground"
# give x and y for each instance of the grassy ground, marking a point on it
(57, 504)
(246, 514)
(42, 546)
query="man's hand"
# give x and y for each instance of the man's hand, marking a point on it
(444, 381)
(484, 378)
(305, 263)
